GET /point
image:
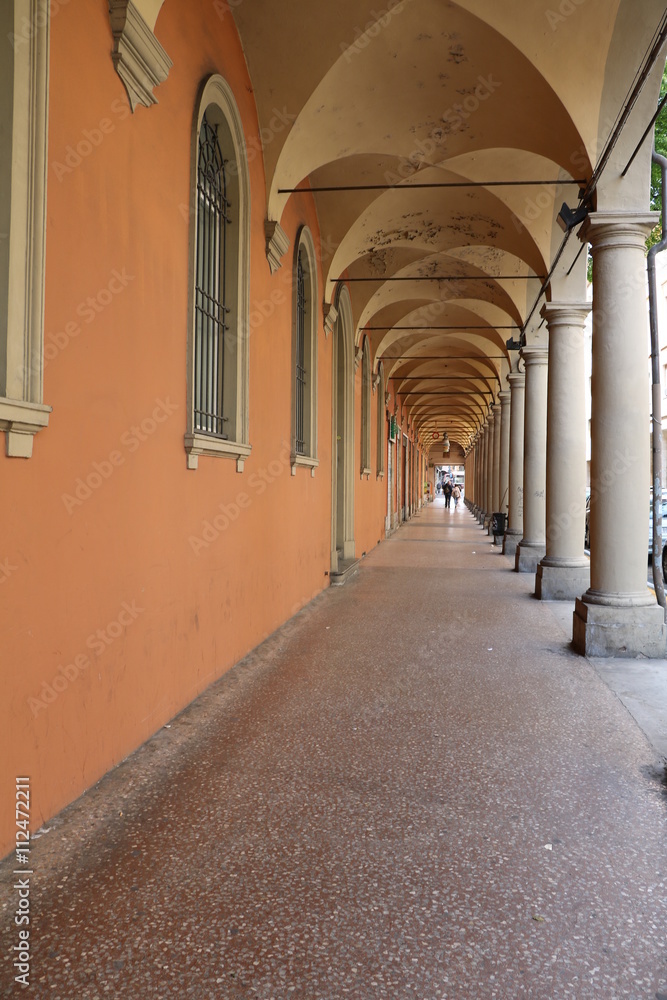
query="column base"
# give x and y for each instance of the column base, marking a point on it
(510, 542)
(603, 630)
(527, 557)
(561, 583)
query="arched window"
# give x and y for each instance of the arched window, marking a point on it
(366, 410)
(381, 447)
(212, 263)
(304, 354)
(218, 350)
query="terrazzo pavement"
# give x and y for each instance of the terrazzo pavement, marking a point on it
(413, 790)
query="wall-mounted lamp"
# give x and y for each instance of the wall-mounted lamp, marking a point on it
(568, 218)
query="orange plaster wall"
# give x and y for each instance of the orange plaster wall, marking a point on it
(126, 597)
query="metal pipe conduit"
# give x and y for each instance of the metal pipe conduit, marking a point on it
(656, 402)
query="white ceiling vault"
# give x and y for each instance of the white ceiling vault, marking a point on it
(451, 132)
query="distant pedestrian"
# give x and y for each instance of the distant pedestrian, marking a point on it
(447, 489)
(456, 493)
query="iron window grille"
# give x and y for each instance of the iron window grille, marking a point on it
(300, 389)
(365, 409)
(211, 311)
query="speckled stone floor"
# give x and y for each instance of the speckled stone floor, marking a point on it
(414, 790)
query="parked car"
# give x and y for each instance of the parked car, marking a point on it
(587, 535)
(664, 532)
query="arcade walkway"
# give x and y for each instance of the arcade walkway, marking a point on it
(414, 791)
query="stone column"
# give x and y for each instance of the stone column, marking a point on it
(532, 546)
(472, 495)
(488, 503)
(503, 477)
(495, 486)
(618, 615)
(564, 572)
(475, 464)
(481, 511)
(480, 501)
(514, 531)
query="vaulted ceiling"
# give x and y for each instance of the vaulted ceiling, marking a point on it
(440, 139)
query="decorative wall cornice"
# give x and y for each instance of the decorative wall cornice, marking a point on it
(138, 57)
(277, 243)
(330, 317)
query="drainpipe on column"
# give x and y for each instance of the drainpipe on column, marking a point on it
(656, 416)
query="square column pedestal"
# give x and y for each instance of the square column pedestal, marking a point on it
(510, 542)
(560, 582)
(528, 556)
(603, 630)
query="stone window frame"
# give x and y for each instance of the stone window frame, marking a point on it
(305, 246)
(22, 258)
(365, 410)
(381, 421)
(217, 92)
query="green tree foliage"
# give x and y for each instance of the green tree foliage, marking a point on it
(660, 139)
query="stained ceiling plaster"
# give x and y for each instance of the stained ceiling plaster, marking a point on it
(427, 91)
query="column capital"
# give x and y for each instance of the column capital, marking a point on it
(495, 408)
(617, 229)
(517, 380)
(570, 313)
(504, 396)
(535, 354)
